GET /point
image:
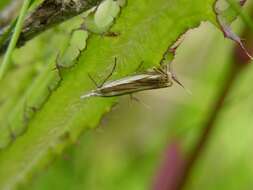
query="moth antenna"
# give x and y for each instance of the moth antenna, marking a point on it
(174, 77)
(140, 67)
(113, 69)
(132, 97)
(93, 80)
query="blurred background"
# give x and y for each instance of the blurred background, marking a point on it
(136, 143)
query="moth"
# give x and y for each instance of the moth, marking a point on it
(156, 78)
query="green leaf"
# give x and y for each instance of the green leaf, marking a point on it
(3, 3)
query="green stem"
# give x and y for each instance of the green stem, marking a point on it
(7, 58)
(244, 16)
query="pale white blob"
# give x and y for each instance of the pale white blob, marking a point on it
(106, 12)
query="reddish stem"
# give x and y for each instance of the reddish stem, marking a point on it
(209, 124)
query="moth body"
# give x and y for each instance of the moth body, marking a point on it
(150, 80)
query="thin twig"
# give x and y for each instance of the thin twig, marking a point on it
(240, 63)
(209, 124)
(49, 14)
(7, 59)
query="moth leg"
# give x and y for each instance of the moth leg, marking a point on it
(93, 80)
(132, 97)
(11, 132)
(140, 67)
(112, 71)
(160, 71)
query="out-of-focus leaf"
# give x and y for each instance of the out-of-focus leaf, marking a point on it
(3, 3)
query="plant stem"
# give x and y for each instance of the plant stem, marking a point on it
(209, 124)
(244, 16)
(7, 58)
(239, 63)
(48, 14)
